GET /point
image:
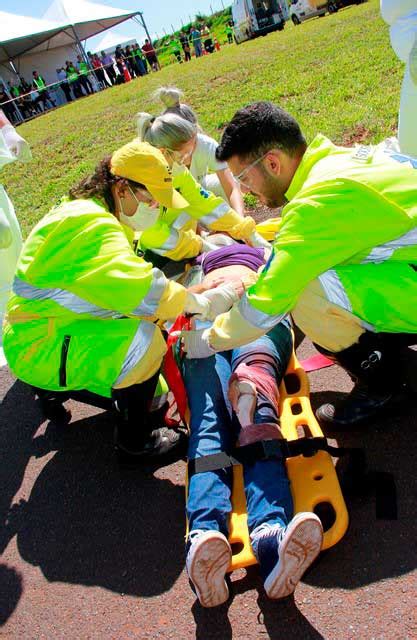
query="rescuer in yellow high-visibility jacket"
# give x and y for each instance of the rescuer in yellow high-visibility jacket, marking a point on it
(83, 303)
(344, 260)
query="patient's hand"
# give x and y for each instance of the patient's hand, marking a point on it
(207, 285)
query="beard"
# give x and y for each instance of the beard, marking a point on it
(272, 194)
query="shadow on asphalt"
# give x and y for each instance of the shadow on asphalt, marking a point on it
(374, 549)
(276, 616)
(86, 521)
(10, 591)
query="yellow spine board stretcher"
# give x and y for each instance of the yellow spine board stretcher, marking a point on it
(313, 480)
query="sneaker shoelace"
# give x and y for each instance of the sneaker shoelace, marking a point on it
(193, 535)
(265, 530)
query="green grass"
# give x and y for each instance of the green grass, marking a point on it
(337, 75)
(216, 23)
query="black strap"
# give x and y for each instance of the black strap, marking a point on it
(266, 450)
(355, 480)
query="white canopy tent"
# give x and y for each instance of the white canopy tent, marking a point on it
(45, 44)
(110, 41)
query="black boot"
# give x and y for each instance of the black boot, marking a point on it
(372, 363)
(137, 435)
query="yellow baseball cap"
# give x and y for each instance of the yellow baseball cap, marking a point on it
(141, 162)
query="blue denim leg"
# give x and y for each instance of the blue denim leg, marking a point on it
(212, 431)
(268, 495)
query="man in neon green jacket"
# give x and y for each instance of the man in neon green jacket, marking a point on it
(344, 259)
(82, 311)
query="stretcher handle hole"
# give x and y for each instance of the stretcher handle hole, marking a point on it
(325, 511)
(303, 431)
(292, 383)
(237, 547)
(296, 409)
(318, 476)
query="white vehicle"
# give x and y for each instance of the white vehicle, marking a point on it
(301, 10)
(252, 18)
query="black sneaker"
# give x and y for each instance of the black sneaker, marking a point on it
(361, 404)
(162, 444)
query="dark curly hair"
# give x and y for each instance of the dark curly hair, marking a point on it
(99, 185)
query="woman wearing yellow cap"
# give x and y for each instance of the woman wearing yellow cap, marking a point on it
(81, 315)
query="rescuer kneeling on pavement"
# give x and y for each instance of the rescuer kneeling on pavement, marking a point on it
(344, 260)
(81, 315)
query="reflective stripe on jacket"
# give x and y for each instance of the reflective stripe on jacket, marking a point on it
(351, 211)
(78, 282)
(174, 234)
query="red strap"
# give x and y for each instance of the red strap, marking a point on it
(171, 371)
(314, 363)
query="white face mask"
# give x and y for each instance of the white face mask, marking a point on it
(143, 218)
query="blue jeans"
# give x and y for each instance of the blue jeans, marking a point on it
(214, 428)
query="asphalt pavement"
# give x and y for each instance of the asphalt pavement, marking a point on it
(91, 551)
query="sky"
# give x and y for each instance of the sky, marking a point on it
(160, 15)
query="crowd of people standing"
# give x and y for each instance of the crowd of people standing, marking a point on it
(200, 38)
(22, 100)
(25, 100)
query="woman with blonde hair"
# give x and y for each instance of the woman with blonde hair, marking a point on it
(174, 234)
(198, 151)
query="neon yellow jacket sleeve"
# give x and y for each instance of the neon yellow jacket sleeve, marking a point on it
(324, 228)
(212, 211)
(80, 250)
(174, 234)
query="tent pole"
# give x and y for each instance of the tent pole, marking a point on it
(147, 32)
(86, 58)
(19, 113)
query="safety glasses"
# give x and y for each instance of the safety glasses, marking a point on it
(240, 178)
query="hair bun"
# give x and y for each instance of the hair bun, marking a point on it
(169, 96)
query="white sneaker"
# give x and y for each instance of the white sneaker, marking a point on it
(208, 558)
(284, 554)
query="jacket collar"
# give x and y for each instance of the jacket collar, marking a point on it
(318, 149)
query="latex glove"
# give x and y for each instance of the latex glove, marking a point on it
(222, 298)
(256, 240)
(197, 303)
(16, 144)
(207, 246)
(220, 240)
(196, 344)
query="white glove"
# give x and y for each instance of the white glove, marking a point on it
(220, 240)
(256, 240)
(207, 246)
(197, 303)
(196, 344)
(16, 144)
(221, 299)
